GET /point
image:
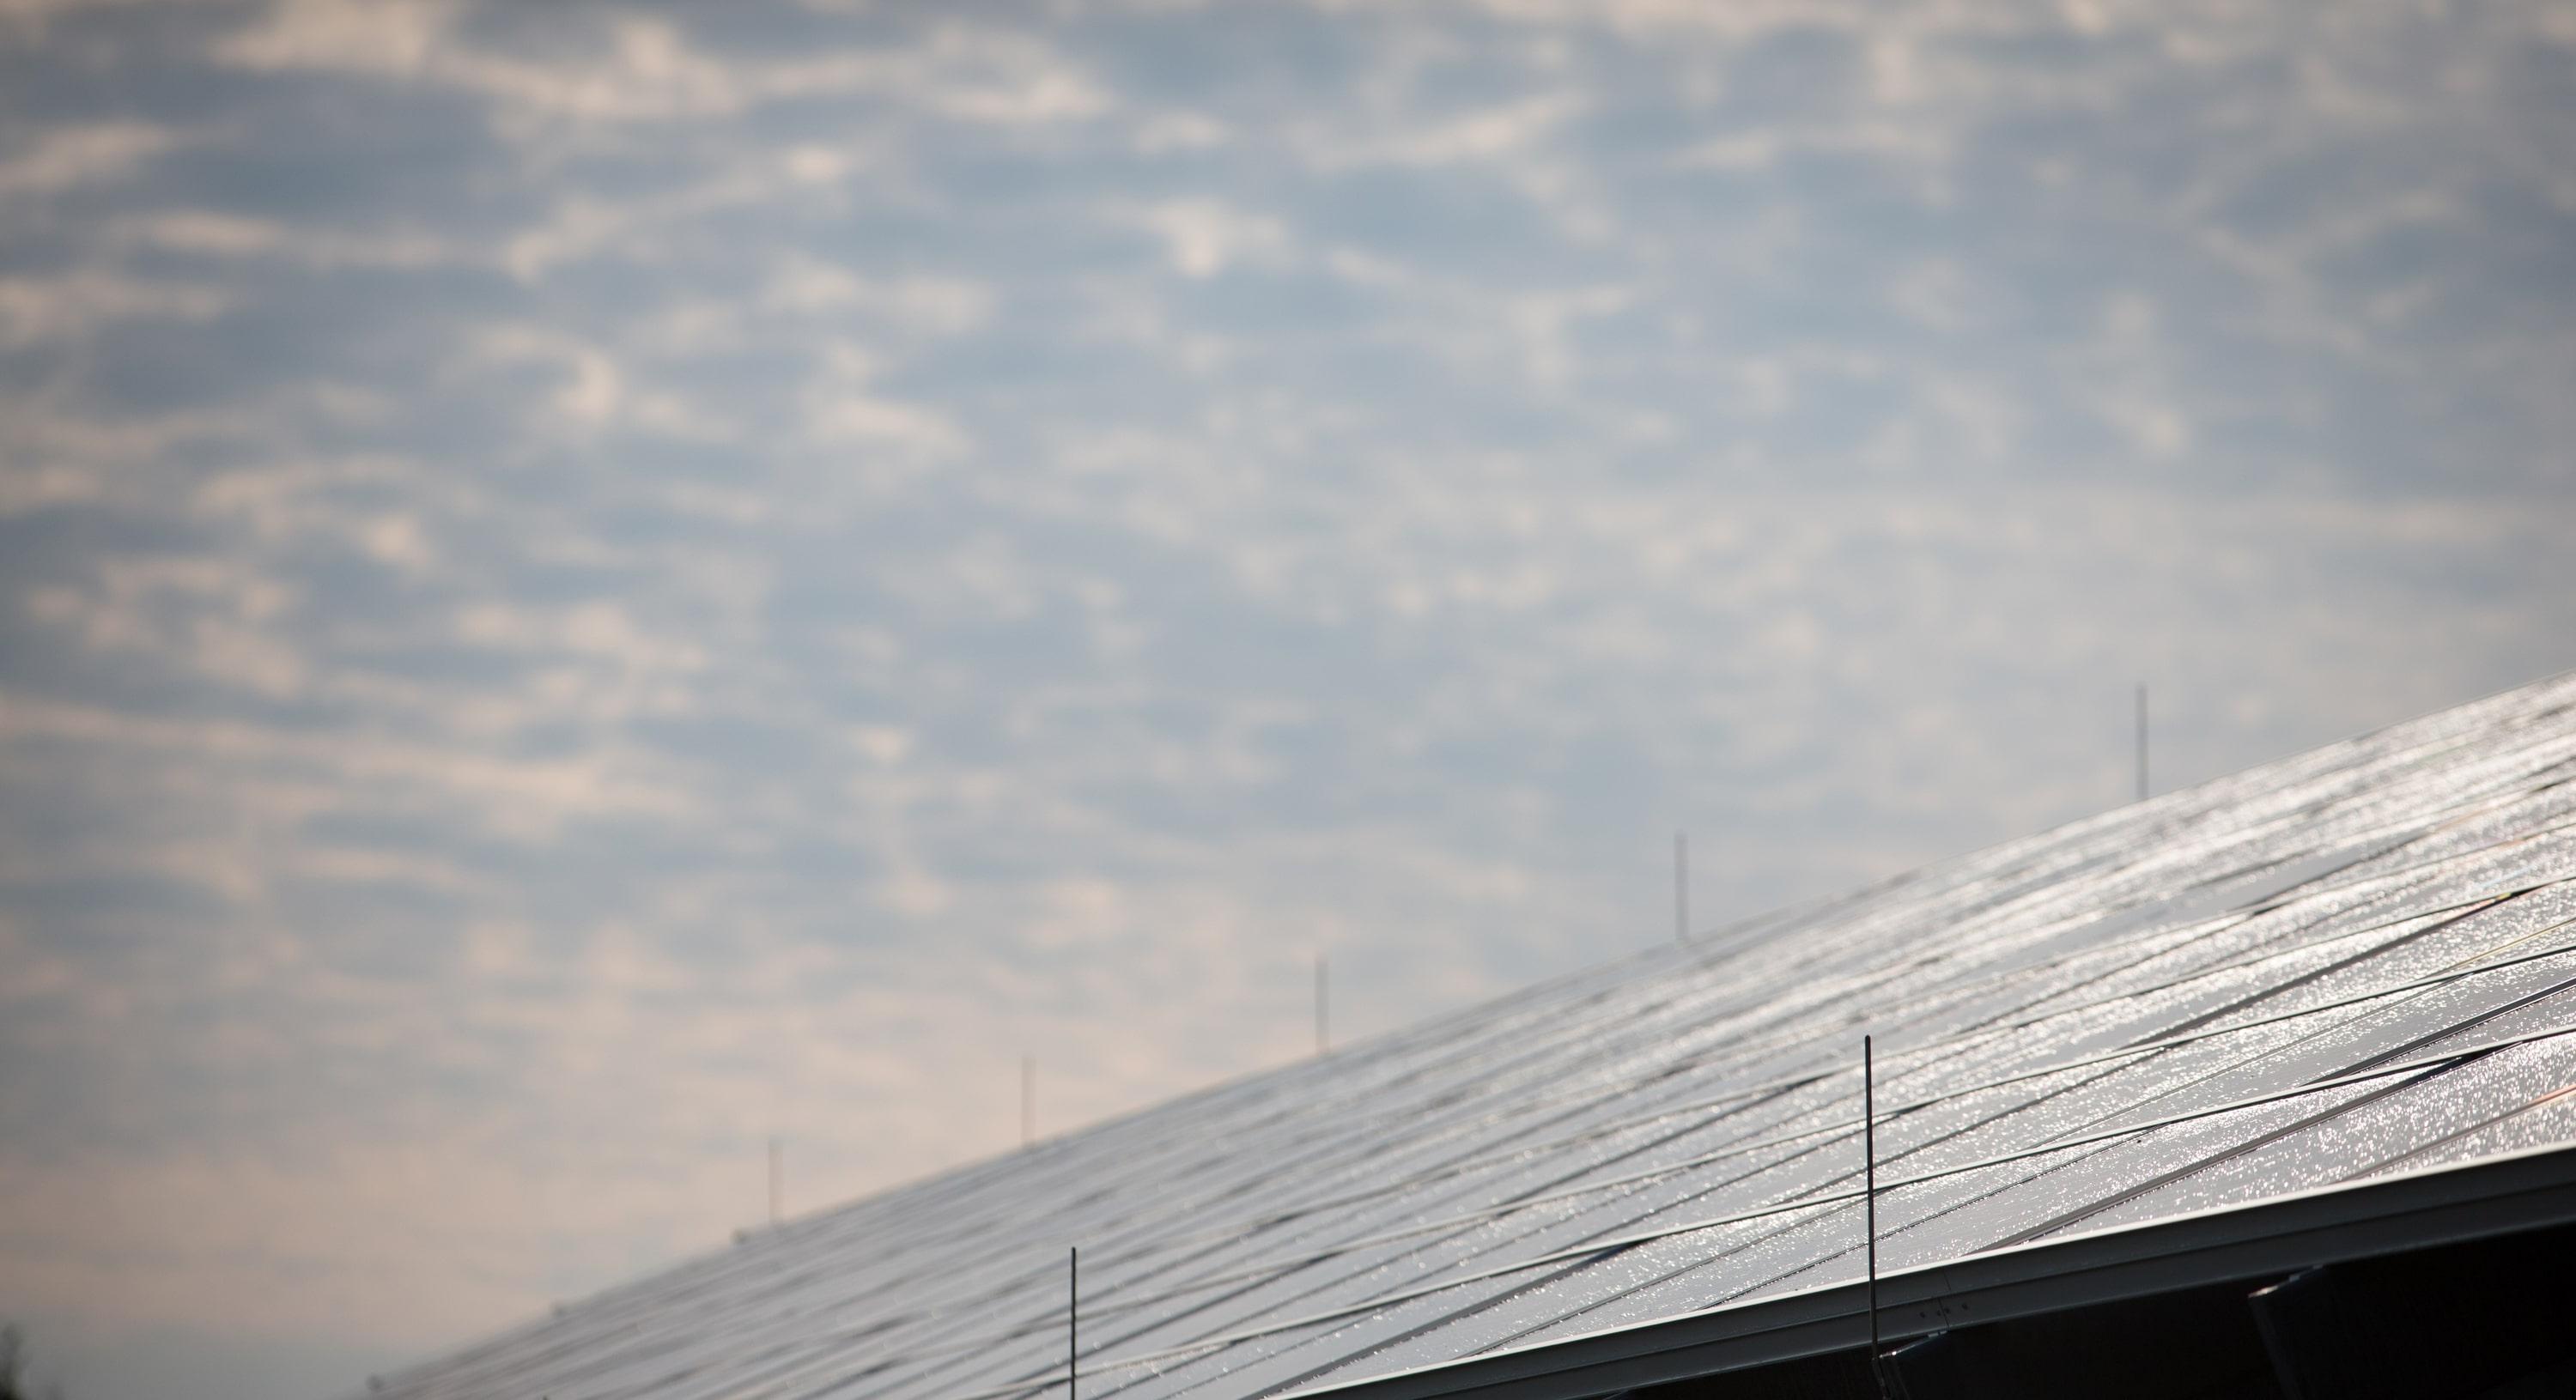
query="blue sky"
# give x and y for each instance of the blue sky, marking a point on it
(582, 585)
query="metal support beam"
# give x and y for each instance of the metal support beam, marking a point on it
(2303, 1337)
(2443, 1322)
(2501, 1197)
(1930, 1368)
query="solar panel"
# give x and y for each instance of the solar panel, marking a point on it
(2356, 962)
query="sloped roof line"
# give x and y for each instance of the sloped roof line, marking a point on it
(1131, 1302)
(2049, 991)
(1914, 1053)
(1801, 1205)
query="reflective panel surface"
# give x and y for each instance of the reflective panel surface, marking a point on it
(2354, 962)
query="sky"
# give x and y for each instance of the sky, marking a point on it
(585, 585)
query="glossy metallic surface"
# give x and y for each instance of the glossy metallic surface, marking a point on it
(2355, 962)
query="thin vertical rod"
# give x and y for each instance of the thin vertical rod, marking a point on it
(1072, 1320)
(1028, 1100)
(1869, 1197)
(1322, 1002)
(2142, 741)
(773, 1179)
(1681, 888)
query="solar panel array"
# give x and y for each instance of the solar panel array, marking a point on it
(2351, 963)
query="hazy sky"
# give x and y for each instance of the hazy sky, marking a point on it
(580, 585)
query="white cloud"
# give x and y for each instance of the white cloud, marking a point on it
(841, 408)
(1165, 132)
(937, 305)
(1540, 323)
(220, 619)
(1762, 150)
(594, 390)
(396, 39)
(64, 157)
(847, 414)
(1204, 237)
(1495, 134)
(212, 234)
(2129, 378)
(646, 70)
(826, 585)
(72, 307)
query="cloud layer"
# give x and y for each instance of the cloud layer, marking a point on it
(581, 586)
